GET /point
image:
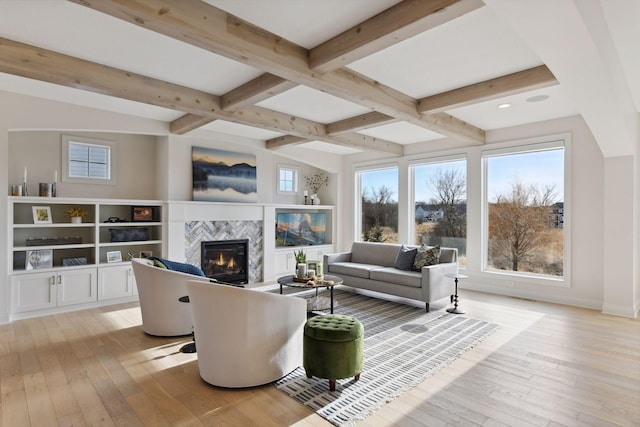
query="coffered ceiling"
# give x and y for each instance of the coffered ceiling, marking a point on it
(332, 75)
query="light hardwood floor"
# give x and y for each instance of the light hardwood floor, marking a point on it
(548, 365)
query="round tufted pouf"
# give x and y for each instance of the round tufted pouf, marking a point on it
(333, 347)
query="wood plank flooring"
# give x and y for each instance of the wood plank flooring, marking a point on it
(548, 365)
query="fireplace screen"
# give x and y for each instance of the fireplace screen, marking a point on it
(226, 260)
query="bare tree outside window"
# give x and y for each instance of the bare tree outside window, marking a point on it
(526, 218)
(440, 205)
(378, 206)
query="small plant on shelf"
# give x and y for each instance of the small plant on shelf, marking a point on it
(76, 214)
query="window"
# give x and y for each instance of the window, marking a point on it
(525, 210)
(440, 205)
(377, 194)
(87, 160)
(287, 179)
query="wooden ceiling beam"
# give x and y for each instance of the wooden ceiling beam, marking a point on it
(189, 122)
(400, 22)
(363, 121)
(511, 84)
(262, 87)
(285, 141)
(200, 24)
(40, 64)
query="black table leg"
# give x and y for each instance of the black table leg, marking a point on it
(331, 287)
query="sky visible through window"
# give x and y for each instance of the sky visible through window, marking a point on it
(542, 168)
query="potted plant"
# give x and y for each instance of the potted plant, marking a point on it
(301, 263)
(76, 215)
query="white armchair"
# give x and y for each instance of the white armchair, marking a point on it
(159, 289)
(245, 338)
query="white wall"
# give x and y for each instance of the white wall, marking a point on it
(586, 274)
(134, 164)
(175, 158)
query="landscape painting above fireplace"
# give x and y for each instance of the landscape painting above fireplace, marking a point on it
(223, 176)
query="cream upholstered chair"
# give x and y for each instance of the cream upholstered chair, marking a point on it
(159, 289)
(245, 337)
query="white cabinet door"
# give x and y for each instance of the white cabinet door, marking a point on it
(285, 263)
(33, 291)
(77, 286)
(115, 282)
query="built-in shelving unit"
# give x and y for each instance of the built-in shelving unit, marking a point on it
(54, 262)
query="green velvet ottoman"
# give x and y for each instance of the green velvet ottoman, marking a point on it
(333, 347)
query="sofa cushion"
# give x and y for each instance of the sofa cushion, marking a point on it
(352, 269)
(381, 254)
(405, 258)
(426, 256)
(397, 277)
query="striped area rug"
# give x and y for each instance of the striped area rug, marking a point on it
(403, 345)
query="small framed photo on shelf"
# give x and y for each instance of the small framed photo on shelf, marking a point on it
(41, 215)
(146, 254)
(42, 258)
(142, 213)
(114, 256)
(316, 266)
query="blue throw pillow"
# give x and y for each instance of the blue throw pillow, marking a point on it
(405, 258)
(179, 266)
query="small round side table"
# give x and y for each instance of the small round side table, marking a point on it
(455, 309)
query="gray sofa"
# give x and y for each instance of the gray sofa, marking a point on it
(371, 266)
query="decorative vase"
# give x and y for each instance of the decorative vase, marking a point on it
(76, 220)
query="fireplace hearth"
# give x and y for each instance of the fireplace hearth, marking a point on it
(226, 260)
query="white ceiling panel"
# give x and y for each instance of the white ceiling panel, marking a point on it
(326, 147)
(241, 130)
(402, 133)
(69, 95)
(312, 104)
(467, 50)
(307, 23)
(487, 115)
(78, 31)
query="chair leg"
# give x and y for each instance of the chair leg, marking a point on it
(357, 377)
(308, 373)
(427, 307)
(332, 385)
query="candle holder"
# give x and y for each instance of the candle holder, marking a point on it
(305, 199)
(24, 189)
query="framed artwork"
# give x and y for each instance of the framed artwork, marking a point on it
(223, 176)
(41, 258)
(142, 213)
(315, 265)
(114, 256)
(41, 215)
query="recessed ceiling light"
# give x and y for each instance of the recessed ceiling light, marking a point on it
(538, 98)
(505, 105)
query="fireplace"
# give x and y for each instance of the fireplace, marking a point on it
(226, 260)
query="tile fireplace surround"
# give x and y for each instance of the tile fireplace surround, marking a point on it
(197, 231)
(190, 223)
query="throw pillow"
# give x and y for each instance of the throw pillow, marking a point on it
(180, 266)
(405, 258)
(426, 256)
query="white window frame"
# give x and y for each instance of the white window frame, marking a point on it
(520, 147)
(412, 183)
(67, 140)
(357, 176)
(296, 178)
